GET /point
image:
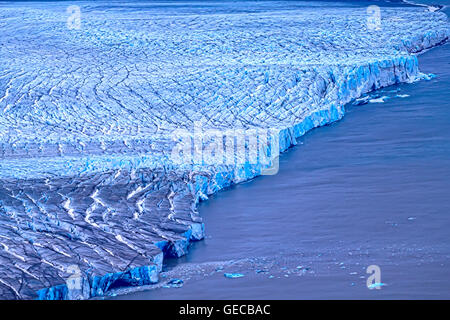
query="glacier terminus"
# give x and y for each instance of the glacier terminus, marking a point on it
(91, 198)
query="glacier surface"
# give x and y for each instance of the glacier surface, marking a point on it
(90, 199)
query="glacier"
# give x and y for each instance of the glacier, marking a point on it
(90, 197)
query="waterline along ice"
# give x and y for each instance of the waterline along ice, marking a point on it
(114, 126)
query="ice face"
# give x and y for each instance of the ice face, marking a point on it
(89, 192)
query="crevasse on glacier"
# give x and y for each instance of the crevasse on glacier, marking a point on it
(88, 190)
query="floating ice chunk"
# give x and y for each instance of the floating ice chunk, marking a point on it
(379, 100)
(303, 268)
(233, 275)
(260, 271)
(425, 76)
(376, 285)
(361, 101)
(174, 283)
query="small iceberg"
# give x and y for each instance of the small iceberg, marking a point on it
(261, 271)
(233, 275)
(425, 76)
(379, 100)
(361, 101)
(376, 285)
(174, 283)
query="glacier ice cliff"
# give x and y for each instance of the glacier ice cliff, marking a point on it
(90, 199)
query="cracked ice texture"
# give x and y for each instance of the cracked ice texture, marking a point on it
(87, 116)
